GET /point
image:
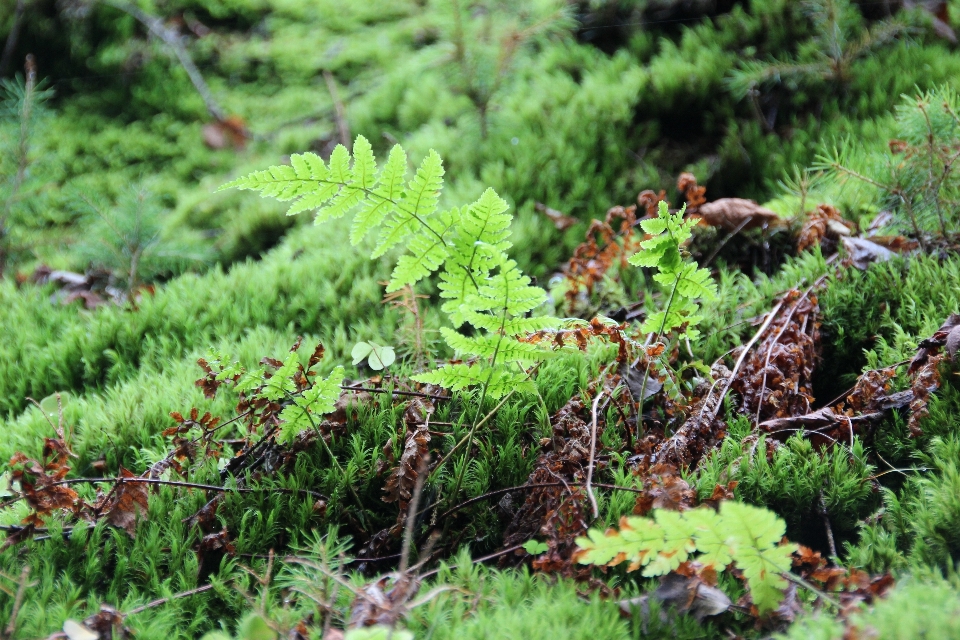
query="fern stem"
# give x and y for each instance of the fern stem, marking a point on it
(646, 373)
(336, 463)
(486, 386)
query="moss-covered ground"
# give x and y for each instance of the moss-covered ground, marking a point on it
(577, 106)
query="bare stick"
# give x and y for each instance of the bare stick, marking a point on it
(412, 508)
(743, 355)
(412, 394)
(190, 485)
(172, 39)
(593, 451)
(339, 112)
(160, 601)
(530, 487)
(826, 524)
(776, 338)
(12, 37)
(18, 601)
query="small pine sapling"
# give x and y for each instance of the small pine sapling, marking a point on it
(738, 535)
(21, 108)
(128, 240)
(915, 177)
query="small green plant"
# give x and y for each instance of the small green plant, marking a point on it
(289, 388)
(127, 239)
(21, 108)
(480, 285)
(840, 39)
(739, 535)
(681, 277)
(915, 177)
(378, 357)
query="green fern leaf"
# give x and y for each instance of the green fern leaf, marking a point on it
(318, 400)
(364, 172)
(755, 534)
(461, 376)
(677, 541)
(382, 199)
(427, 251)
(638, 540)
(505, 348)
(710, 537)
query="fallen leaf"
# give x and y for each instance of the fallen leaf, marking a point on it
(736, 213)
(686, 595)
(560, 220)
(77, 631)
(863, 252)
(126, 504)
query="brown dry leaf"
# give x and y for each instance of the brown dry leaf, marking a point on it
(400, 484)
(377, 605)
(560, 220)
(695, 194)
(776, 379)
(229, 133)
(663, 488)
(700, 432)
(732, 214)
(126, 504)
(605, 246)
(825, 219)
(557, 513)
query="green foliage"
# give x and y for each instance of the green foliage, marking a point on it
(685, 281)
(467, 245)
(796, 480)
(916, 609)
(914, 177)
(739, 534)
(127, 239)
(377, 357)
(839, 39)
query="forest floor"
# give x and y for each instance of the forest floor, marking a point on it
(625, 400)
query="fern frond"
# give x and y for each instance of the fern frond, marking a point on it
(417, 203)
(744, 535)
(383, 198)
(505, 348)
(318, 400)
(461, 376)
(428, 249)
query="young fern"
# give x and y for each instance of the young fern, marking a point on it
(685, 280)
(467, 246)
(742, 535)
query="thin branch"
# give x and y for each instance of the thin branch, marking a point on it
(593, 451)
(190, 485)
(176, 596)
(412, 394)
(12, 37)
(172, 39)
(743, 355)
(18, 600)
(530, 487)
(339, 112)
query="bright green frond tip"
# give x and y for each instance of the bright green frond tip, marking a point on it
(684, 281)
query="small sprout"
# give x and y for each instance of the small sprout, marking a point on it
(378, 357)
(535, 547)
